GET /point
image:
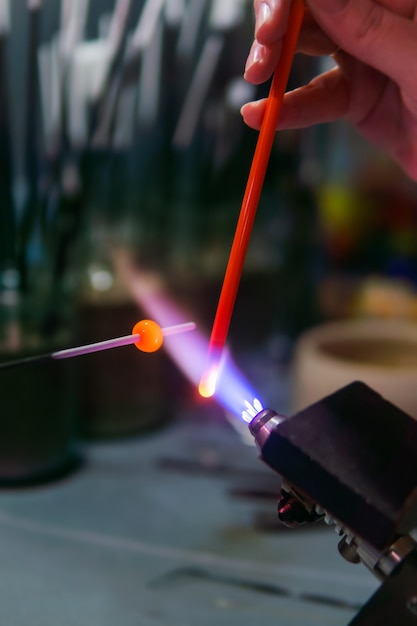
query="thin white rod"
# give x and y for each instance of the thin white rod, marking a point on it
(117, 342)
(178, 328)
(95, 347)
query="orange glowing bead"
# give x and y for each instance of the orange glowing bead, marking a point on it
(151, 335)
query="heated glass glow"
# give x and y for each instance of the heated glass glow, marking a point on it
(208, 381)
(207, 384)
(151, 336)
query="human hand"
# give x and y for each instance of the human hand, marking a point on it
(373, 86)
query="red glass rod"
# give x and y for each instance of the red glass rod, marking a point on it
(250, 201)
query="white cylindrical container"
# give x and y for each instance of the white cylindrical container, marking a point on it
(380, 353)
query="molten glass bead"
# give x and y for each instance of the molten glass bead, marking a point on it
(150, 334)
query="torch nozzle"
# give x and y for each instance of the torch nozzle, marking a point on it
(263, 424)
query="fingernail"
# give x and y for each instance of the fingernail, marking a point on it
(255, 55)
(328, 5)
(263, 15)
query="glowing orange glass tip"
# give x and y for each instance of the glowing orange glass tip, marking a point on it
(207, 385)
(151, 335)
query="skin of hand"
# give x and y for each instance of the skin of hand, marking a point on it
(374, 82)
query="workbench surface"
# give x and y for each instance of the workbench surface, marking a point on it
(174, 527)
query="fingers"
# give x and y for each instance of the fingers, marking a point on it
(271, 19)
(381, 34)
(261, 62)
(313, 40)
(271, 24)
(376, 35)
(325, 99)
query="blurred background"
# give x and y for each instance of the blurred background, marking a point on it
(123, 162)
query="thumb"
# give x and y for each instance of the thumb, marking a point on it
(375, 35)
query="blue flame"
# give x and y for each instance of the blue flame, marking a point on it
(235, 393)
(188, 350)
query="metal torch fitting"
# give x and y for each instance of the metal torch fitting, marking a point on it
(263, 424)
